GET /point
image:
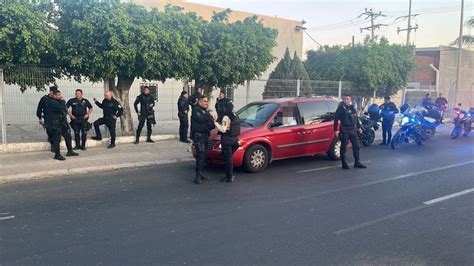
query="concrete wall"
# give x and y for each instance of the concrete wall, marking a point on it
(447, 78)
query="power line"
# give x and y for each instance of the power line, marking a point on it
(409, 28)
(372, 15)
(312, 39)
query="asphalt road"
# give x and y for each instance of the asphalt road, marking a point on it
(304, 211)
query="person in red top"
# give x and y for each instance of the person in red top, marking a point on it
(442, 103)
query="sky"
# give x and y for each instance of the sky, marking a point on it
(335, 22)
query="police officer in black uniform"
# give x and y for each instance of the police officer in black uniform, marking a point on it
(202, 122)
(183, 115)
(145, 114)
(228, 125)
(350, 125)
(81, 109)
(112, 111)
(42, 112)
(57, 125)
(389, 109)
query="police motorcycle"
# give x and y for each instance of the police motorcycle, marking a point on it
(370, 123)
(462, 122)
(416, 126)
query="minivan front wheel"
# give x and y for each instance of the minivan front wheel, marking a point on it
(334, 152)
(256, 159)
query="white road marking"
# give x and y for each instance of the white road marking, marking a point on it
(7, 217)
(323, 168)
(379, 220)
(447, 197)
(375, 182)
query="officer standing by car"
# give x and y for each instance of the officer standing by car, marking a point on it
(350, 126)
(112, 110)
(43, 114)
(389, 109)
(202, 122)
(57, 125)
(228, 125)
(183, 115)
(81, 109)
(145, 114)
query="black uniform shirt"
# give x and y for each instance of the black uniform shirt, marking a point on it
(347, 115)
(388, 111)
(183, 106)
(79, 107)
(41, 110)
(201, 121)
(110, 108)
(144, 101)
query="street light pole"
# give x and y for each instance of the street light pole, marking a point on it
(458, 69)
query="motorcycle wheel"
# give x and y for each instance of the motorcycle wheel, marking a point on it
(455, 133)
(397, 140)
(368, 138)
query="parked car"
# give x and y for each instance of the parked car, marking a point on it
(279, 129)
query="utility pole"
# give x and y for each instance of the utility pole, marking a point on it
(458, 70)
(409, 27)
(369, 13)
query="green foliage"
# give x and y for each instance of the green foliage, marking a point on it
(467, 40)
(232, 53)
(373, 66)
(27, 38)
(290, 69)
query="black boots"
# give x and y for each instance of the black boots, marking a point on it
(345, 166)
(71, 153)
(59, 157)
(137, 140)
(359, 165)
(228, 180)
(149, 140)
(98, 138)
(111, 146)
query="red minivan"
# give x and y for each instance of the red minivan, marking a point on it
(279, 129)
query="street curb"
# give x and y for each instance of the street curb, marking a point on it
(85, 170)
(45, 146)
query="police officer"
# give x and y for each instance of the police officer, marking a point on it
(146, 113)
(389, 109)
(112, 111)
(57, 125)
(183, 115)
(42, 112)
(222, 101)
(202, 122)
(347, 114)
(81, 109)
(228, 125)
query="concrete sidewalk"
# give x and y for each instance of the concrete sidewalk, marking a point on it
(35, 165)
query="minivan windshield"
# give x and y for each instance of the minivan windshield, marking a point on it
(256, 114)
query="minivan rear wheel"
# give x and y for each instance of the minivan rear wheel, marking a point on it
(334, 152)
(256, 158)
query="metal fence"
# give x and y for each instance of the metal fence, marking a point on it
(19, 101)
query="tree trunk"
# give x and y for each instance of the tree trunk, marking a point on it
(121, 93)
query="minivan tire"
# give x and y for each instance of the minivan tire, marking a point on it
(256, 159)
(334, 152)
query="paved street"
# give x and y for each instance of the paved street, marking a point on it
(303, 211)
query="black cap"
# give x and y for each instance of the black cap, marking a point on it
(387, 97)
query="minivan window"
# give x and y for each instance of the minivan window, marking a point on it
(288, 116)
(256, 114)
(332, 105)
(314, 112)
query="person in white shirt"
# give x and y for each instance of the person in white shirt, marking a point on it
(228, 125)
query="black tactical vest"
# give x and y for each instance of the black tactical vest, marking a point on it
(234, 130)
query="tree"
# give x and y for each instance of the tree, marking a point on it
(232, 53)
(374, 68)
(283, 80)
(26, 38)
(118, 42)
(467, 40)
